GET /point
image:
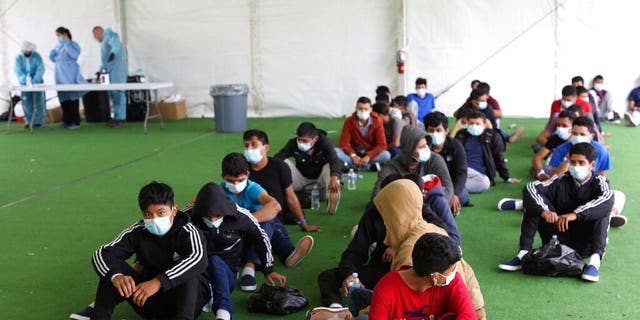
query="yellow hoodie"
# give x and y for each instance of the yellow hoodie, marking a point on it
(400, 205)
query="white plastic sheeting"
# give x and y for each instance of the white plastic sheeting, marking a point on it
(310, 58)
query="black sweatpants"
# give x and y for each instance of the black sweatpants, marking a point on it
(586, 237)
(71, 112)
(330, 283)
(182, 302)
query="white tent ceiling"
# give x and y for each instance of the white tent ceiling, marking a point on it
(310, 58)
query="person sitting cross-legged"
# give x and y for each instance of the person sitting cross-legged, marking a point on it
(576, 207)
(362, 141)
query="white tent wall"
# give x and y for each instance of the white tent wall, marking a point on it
(37, 20)
(303, 58)
(525, 49)
(309, 58)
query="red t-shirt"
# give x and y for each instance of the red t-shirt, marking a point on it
(556, 106)
(394, 300)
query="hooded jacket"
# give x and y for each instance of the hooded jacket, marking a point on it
(409, 140)
(375, 141)
(492, 146)
(400, 205)
(238, 229)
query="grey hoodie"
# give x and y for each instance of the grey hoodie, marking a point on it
(409, 140)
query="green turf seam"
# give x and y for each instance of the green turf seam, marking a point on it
(99, 172)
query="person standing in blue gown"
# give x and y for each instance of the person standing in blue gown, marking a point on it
(29, 70)
(67, 71)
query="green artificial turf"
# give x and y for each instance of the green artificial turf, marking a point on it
(80, 190)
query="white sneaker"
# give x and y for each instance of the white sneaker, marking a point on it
(631, 120)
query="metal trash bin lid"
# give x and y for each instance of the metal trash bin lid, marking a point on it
(229, 90)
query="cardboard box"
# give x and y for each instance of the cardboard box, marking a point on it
(55, 114)
(170, 110)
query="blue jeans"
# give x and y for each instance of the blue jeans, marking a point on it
(382, 158)
(280, 243)
(119, 102)
(33, 102)
(437, 201)
(463, 197)
(222, 280)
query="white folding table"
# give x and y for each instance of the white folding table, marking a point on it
(150, 86)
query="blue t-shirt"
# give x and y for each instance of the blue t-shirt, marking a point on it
(475, 157)
(248, 198)
(425, 105)
(603, 162)
(635, 96)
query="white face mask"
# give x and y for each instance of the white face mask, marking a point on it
(482, 105)
(579, 139)
(597, 86)
(567, 104)
(447, 280)
(579, 172)
(422, 92)
(253, 155)
(158, 226)
(437, 138)
(563, 133)
(215, 224)
(363, 115)
(236, 188)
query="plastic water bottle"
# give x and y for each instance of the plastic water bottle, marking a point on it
(355, 283)
(554, 240)
(315, 198)
(351, 180)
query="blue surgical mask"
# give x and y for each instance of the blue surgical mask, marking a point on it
(253, 155)
(482, 105)
(597, 86)
(579, 172)
(579, 139)
(424, 155)
(304, 147)
(62, 40)
(158, 226)
(215, 224)
(464, 126)
(363, 115)
(236, 188)
(567, 104)
(437, 138)
(447, 280)
(563, 133)
(475, 129)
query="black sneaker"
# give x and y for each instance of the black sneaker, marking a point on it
(248, 283)
(84, 314)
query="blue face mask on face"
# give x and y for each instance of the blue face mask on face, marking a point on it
(475, 129)
(437, 138)
(423, 155)
(158, 226)
(579, 172)
(482, 105)
(579, 139)
(253, 155)
(215, 224)
(563, 133)
(304, 147)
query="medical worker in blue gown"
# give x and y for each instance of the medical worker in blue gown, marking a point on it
(67, 71)
(114, 62)
(29, 69)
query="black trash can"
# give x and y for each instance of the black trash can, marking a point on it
(136, 100)
(230, 107)
(96, 106)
